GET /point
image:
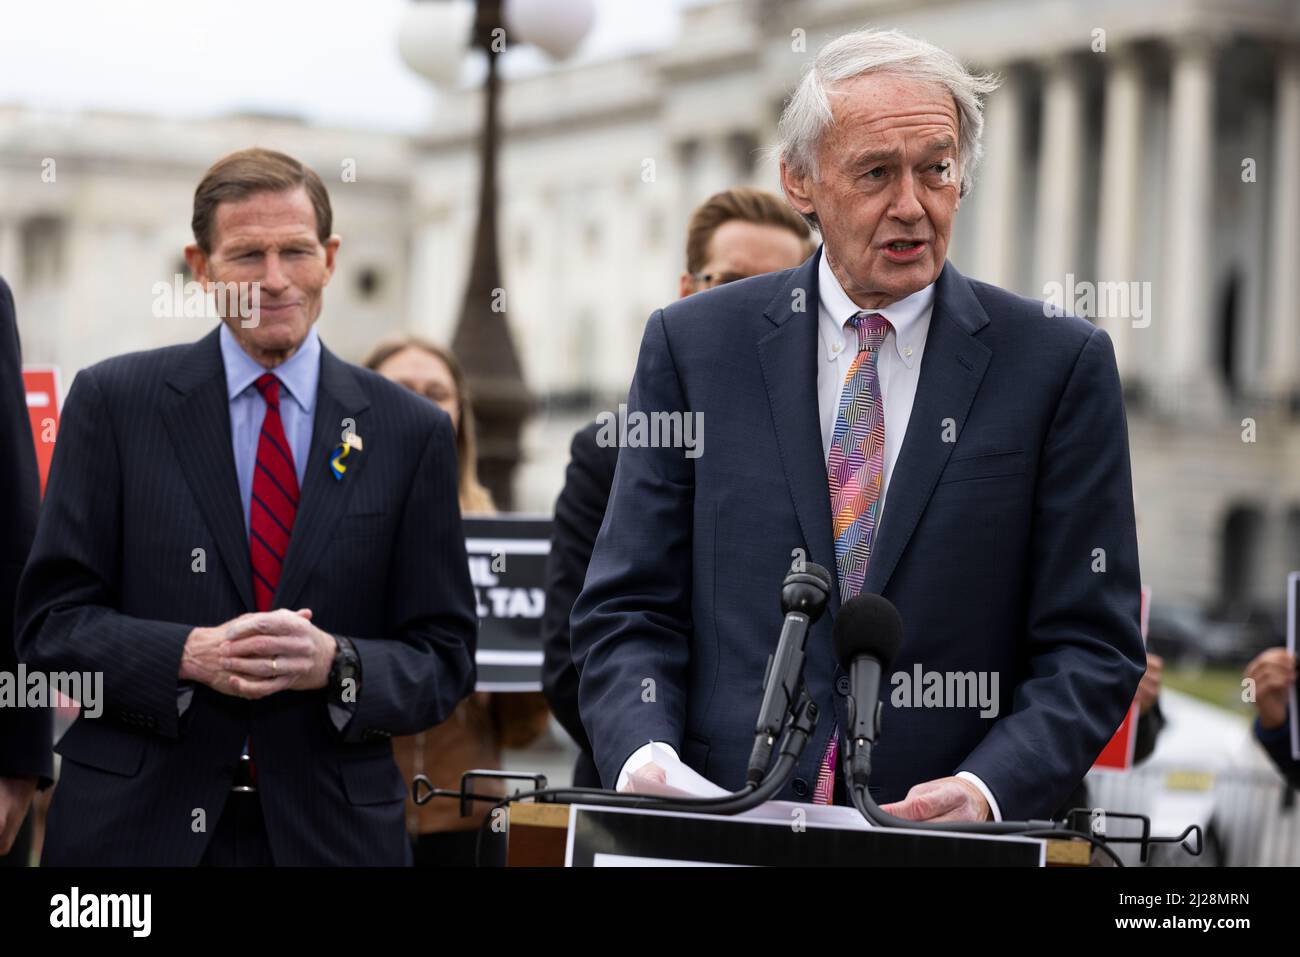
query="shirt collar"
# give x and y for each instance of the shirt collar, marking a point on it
(299, 374)
(908, 317)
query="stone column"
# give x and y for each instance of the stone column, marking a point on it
(1060, 170)
(1121, 156)
(1000, 183)
(11, 254)
(1282, 370)
(1183, 299)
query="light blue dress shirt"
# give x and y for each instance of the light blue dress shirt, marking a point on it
(298, 377)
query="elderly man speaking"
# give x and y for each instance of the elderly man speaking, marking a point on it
(925, 436)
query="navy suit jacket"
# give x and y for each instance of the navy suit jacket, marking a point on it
(25, 733)
(579, 511)
(991, 546)
(143, 475)
(1277, 742)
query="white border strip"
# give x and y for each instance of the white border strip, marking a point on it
(510, 546)
(502, 656)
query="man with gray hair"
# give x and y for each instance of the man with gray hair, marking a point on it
(873, 375)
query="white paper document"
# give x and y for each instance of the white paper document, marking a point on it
(682, 780)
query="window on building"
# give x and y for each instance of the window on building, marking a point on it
(688, 153)
(42, 245)
(1242, 538)
(1228, 333)
(1291, 547)
(743, 150)
(370, 282)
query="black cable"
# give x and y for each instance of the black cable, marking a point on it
(867, 807)
(803, 721)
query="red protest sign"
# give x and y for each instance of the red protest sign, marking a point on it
(1118, 753)
(42, 385)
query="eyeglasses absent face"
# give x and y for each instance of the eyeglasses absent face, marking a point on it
(424, 374)
(269, 238)
(888, 186)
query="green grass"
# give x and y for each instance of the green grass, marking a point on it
(1215, 685)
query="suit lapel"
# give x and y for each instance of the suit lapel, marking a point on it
(198, 424)
(952, 368)
(788, 358)
(324, 499)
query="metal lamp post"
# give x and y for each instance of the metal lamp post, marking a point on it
(432, 44)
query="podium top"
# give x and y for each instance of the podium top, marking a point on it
(778, 833)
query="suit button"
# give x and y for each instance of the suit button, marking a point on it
(842, 685)
(800, 786)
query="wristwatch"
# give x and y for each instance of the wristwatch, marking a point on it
(345, 672)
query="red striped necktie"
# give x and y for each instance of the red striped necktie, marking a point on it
(275, 497)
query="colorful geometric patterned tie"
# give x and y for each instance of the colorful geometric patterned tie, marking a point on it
(275, 497)
(856, 468)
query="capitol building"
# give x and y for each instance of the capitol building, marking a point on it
(1141, 167)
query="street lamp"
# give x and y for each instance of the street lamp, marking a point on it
(432, 42)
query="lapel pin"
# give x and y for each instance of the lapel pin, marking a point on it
(351, 441)
(337, 465)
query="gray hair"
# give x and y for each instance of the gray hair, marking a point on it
(808, 114)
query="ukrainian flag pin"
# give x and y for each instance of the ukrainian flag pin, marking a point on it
(351, 442)
(337, 465)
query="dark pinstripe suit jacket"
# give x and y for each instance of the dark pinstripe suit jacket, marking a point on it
(25, 733)
(143, 476)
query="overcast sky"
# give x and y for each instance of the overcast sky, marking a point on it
(330, 61)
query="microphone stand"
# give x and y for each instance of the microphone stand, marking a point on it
(798, 729)
(867, 807)
(798, 722)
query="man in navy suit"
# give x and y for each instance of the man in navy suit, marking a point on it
(979, 479)
(736, 233)
(259, 547)
(25, 733)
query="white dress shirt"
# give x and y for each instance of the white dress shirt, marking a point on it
(898, 365)
(898, 369)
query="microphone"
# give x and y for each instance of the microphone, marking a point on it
(868, 632)
(803, 599)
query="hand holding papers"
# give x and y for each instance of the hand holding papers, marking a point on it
(666, 776)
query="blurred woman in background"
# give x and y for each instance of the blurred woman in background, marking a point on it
(485, 722)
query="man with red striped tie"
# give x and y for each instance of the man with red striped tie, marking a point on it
(259, 547)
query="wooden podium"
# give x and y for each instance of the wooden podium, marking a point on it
(780, 833)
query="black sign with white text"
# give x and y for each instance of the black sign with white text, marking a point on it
(507, 565)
